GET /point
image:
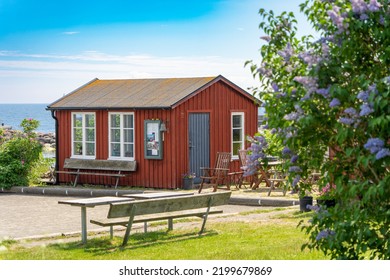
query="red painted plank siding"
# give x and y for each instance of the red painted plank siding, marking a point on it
(219, 100)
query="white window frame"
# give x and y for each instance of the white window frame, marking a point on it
(84, 138)
(242, 128)
(122, 142)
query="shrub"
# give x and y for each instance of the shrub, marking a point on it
(18, 155)
(328, 99)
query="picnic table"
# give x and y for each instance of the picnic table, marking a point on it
(83, 203)
(265, 172)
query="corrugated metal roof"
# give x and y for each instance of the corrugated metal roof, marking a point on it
(134, 93)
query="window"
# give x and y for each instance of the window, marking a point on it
(121, 136)
(83, 135)
(237, 133)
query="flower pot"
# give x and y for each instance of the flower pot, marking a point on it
(326, 202)
(304, 202)
(188, 183)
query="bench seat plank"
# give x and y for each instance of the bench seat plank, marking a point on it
(156, 217)
(94, 174)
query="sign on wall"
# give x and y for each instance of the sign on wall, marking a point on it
(153, 140)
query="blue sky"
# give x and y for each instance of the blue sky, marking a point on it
(49, 48)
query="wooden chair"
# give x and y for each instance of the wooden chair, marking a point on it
(242, 156)
(277, 179)
(218, 173)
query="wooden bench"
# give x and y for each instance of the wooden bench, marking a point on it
(142, 211)
(79, 167)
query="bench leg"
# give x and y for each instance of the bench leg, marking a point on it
(206, 215)
(111, 232)
(117, 179)
(145, 227)
(129, 225)
(76, 178)
(170, 224)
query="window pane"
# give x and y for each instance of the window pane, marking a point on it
(236, 147)
(236, 121)
(128, 134)
(77, 134)
(90, 134)
(115, 150)
(90, 149)
(78, 148)
(115, 135)
(115, 120)
(129, 150)
(237, 135)
(89, 120)
(128, 121)
(77, 120)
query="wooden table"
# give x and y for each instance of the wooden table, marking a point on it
(264, 174)
(83, 203)
(152, 195)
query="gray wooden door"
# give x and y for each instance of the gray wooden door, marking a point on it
(199, 142)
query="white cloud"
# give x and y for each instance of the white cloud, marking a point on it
(59, 74)
(70, 32)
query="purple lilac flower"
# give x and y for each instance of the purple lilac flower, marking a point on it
(366, 109)
(309, 83)
(382, 20)
(287, 53)
(359, 6)
(264, 70)
(323, 91)
(292, 116)
(266, 38)
(275, 87)
(309, 58)
(334, 103)
(280, 95)
(364, 17)
(363, 95)
(296, 180)
(337, 18)
(324, 234)
(261, 140)
(347, 121)
(382, 153)
(374, 145)
(350, 111)
(294, 159)
(296, 169)
(286, 151)
(374, 6)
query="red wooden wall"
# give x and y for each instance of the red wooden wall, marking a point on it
(219, 100)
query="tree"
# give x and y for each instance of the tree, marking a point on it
(328, 100)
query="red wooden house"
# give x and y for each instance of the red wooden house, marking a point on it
(167, 126)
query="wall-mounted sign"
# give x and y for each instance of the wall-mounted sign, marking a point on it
(153, 140)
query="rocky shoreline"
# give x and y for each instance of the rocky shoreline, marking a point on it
(47, 140)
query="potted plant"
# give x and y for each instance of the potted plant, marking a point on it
(305, 201)
(188, 180)
(327, 195)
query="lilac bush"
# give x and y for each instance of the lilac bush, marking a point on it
(328, 101)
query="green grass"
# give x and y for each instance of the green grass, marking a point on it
(277, 239)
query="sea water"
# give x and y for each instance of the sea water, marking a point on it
(13, 114)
